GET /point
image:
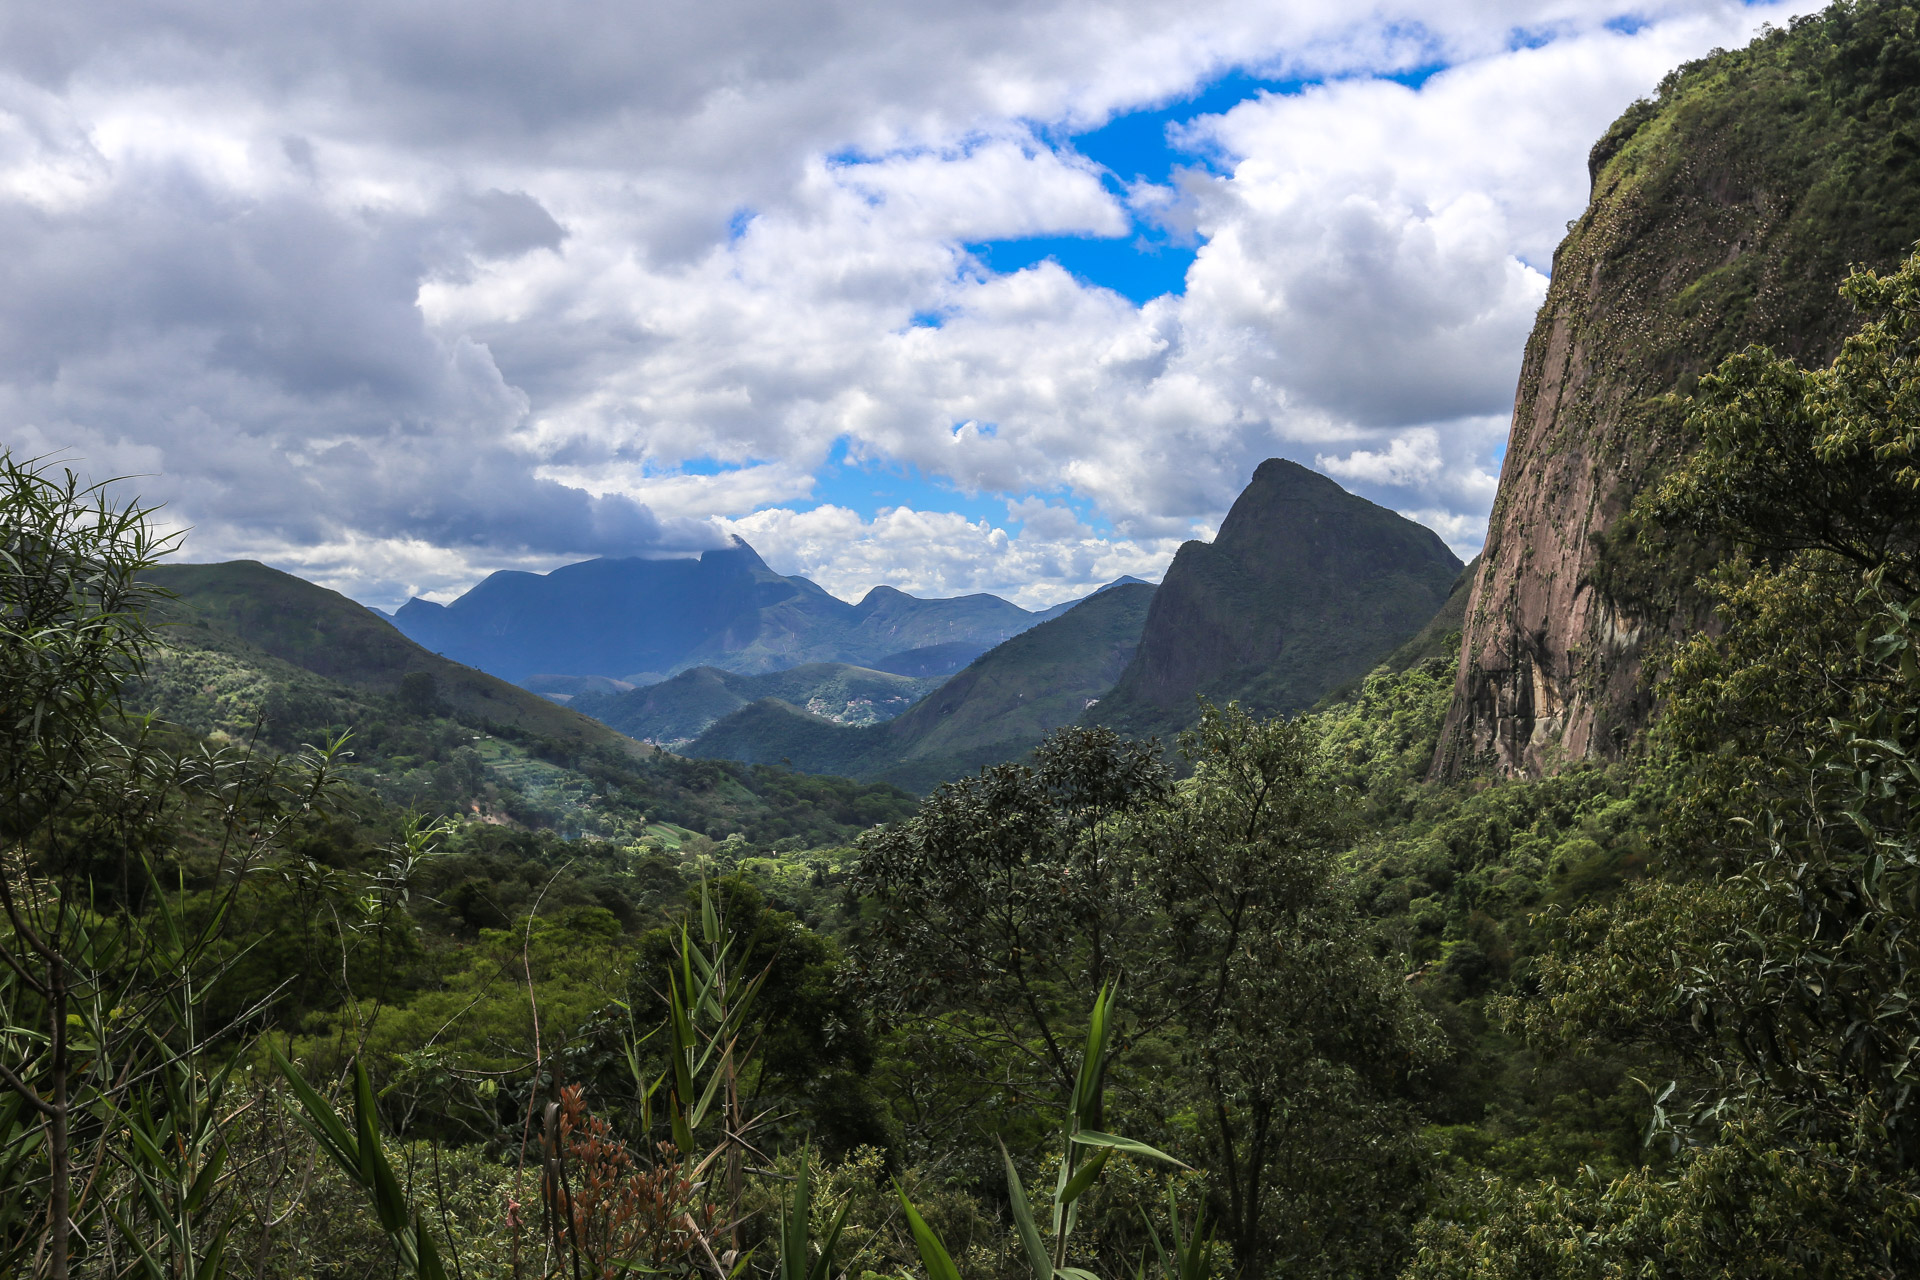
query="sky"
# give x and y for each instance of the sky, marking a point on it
(1003, 296)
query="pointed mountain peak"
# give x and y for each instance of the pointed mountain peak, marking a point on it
(738, 547)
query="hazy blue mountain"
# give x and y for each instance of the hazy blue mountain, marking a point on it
(642, 620)
(678, 710)
(1000, 707)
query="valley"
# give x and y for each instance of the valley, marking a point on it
(1330, 908)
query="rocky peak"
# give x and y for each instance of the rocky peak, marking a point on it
(1724, 213)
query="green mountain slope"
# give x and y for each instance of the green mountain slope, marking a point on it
(1437, 642)
(253, 651)
(997, 709)
(677, 711)
(1032, 684)
(1306, 587)
(325, 633)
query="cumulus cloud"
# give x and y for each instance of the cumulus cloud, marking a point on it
(943, 553)
(397, 295)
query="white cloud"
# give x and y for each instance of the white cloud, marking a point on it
(401, 294)
(942, 553)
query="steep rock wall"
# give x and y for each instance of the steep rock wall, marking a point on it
(1724, 213)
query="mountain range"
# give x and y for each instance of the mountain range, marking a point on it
(676, 711)
(1305, 589)
(639, 621)
(997, 709)
(275, 615)
(249, 652)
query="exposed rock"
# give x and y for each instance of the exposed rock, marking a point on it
(1723, 214)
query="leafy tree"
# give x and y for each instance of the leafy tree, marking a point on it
(1299, 1046)
(1777, 954)
(1004, 900)
(1220, 907)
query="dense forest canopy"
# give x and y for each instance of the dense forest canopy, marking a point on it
(304, 978)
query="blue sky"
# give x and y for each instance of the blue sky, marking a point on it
(956, 299)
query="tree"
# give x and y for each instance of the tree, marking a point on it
(1778, 951)
(99, 984)
(1218, 906)
(1298, 1043)
(1004, 901)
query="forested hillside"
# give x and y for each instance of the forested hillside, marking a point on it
(497, 996)
(675, 712)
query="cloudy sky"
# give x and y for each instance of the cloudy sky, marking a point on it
(1009, 295)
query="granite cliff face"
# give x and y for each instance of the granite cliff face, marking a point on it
(1724, 213)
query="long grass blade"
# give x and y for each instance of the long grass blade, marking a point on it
(1093, 1138)
(933, 1255)
(1037, 1260)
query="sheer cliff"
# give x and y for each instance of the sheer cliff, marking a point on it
(1724, 212)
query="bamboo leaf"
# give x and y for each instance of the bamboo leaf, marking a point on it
(699, 1113)
(795, 1218)
(933, 1254)
(1093, 1138)
(823, 1265)
(1037, 1260)
(427, 1265)
(389, 1203)
(319, 1119)
(1087, 1175)
(1085, 1105)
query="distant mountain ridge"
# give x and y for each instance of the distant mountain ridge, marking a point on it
(999, 708)
(644, 620)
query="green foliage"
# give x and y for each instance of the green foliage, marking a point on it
(1078, 1171)
(1001, 903)
(1754, 1203)
(813, 1052)
(357, 1152)
(1302, 1047)
(1774, 958)
(1259, 1001)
